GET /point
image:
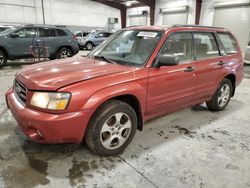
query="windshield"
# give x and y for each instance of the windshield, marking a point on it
(128, 47)
(7, 31)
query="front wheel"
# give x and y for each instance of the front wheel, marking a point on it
(3, 59)
(111, 128)
(64, 53)
(221, 97)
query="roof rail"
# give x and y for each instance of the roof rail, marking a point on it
(134, 26)
(29, 25)
(60, 25)
(180, 25)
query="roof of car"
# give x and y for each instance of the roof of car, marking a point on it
(46, 26)
(178, 26)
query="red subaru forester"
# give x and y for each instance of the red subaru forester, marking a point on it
(137, 74)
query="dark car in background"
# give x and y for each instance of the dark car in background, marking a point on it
(93, 39)
(3, 27)
(15, 42)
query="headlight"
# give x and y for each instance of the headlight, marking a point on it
(50, 101)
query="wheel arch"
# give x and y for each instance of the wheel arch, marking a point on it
(135, 104)
(4, 51)
(128, 95)
(232, 78)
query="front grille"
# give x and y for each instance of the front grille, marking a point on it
(20, 91)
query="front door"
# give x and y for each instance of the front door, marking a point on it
(173, 87)
(99, 38)
(22, 41)
(49, 39)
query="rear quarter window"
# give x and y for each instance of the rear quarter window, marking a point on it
(228, 43)
(61, 32)
(47, 32)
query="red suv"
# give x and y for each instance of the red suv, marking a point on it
(137, 74)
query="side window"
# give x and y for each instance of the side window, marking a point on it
(79, 34)
(179, 44)
(61, 32)
(228, 42)
(205, 45)
(26, 33)
(85, 34)
(44, 32)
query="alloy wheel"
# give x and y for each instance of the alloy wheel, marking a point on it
(89, 46)
(1, 59)
(224, 95)
(65, 54)
(116, 131)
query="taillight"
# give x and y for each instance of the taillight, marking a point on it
(74, 36)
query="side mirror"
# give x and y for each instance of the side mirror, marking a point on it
(14, 35)
(168, 60)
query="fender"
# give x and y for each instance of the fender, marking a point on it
(129, 88)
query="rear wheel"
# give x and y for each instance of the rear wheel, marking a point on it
(64, 53)
(221, 97)
(3, 59)
(111, 128)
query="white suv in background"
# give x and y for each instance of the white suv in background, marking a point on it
(247, 55)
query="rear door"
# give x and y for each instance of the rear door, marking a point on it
(209, 64)
(49, 38)
(172, 87)
(233, 59)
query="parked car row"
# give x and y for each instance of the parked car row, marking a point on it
(16, 41)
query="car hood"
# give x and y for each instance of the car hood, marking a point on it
(59, 73)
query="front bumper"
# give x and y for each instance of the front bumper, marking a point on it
(48, 128)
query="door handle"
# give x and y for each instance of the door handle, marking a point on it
(221, 63)
(189, 69)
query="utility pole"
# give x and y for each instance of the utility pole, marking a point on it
(43, 13)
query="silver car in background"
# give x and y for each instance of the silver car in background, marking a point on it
(247, 54)
(93, 39)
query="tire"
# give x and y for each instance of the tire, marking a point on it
(64, 53)
(52, 57)
(89, 46)
(111, 128)
(3, 59)
(221, 97)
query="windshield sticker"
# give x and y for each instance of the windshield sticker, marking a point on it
(147, 34)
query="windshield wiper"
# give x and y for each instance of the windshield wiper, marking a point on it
(105, 58)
